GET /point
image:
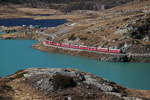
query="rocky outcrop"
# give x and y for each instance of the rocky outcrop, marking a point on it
(121, 58)
(136, 29)
(61, 84)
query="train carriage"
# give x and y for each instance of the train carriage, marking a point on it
(48, 42)
(103, 50)
(74, 46)
(56, 44)
(114, 51)
(83, 47)
(65, 45)
(92, 48)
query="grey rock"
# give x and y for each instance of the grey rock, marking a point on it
(89, 80)
(146, 39)
(58, 80)
(123, 31)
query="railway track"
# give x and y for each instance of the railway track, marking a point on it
(106, 53)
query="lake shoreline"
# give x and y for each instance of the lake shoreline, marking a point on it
(108, 28)
(91, 55)
(26, 57)
(73, 26)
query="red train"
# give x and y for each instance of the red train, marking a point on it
(92, 48)
(107, 50)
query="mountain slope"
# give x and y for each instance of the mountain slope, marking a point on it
(68, 5)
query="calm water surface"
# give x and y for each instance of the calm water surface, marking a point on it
(18, 54)
(30, 21)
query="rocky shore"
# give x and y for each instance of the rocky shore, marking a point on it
(63, 84)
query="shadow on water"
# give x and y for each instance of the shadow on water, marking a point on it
(30, 21)
(42, 14)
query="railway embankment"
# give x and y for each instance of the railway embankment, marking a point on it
(101, 56)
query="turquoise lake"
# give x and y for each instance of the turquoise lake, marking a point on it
(18, 54)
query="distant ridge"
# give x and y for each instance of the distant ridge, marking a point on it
(68, 5)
